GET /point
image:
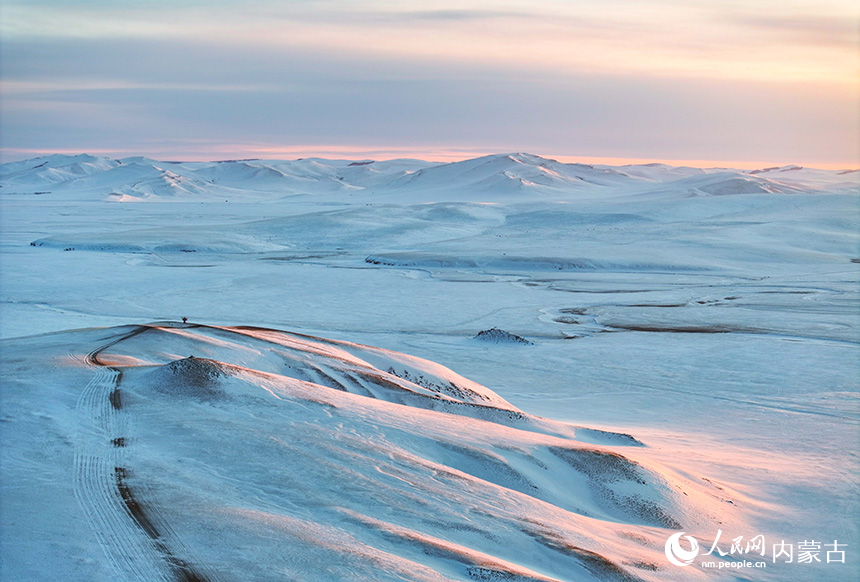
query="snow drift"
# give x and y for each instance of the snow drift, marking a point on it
(215, 453)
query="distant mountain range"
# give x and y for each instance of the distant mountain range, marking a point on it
(488, 178)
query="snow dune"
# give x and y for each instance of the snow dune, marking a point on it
(220, 453)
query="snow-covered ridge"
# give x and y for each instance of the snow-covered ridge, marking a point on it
(320, 453)
(491, 177)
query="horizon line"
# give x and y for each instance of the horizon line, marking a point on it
(267, 152)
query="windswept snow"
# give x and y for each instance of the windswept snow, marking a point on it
(692, 368)
(268, 436)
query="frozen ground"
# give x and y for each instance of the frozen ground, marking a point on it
(711, 314)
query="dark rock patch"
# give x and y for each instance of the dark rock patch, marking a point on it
(500, 336)
(193, 377)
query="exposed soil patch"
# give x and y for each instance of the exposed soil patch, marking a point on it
(606, 471)
(614, 438)
(600, 465)
(182, 571)
(644, 565)
(685, 328)
(574, 310)
(115, 398)
(134, 508)
(500, 336)
(598, 565)
(194, 377)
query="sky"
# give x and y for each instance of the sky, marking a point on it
(718, 82)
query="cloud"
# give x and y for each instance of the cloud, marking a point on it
(815, 30)
(730, 40)
(303, 100)
(470, 16)
(615, 78)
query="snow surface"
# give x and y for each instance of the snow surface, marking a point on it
(693, 367)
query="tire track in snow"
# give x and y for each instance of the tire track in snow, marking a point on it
(131, 556)
(135, 547)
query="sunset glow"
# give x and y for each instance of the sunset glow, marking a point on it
(720, 82)
(429, 290)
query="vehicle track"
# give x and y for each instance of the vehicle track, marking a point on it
(138, 544)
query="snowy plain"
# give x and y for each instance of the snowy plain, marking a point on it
(692, 366)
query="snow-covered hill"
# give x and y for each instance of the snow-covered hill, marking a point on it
(216, 453)
(640, 351)
(500, 177)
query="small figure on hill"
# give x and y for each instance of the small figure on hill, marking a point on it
(184, 320)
